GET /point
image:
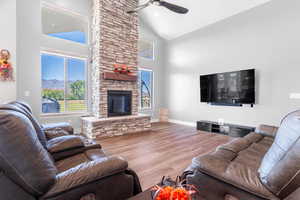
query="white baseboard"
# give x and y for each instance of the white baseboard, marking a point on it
(186, 123)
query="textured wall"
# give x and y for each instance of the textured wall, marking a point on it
(115, 41)
(109, 127)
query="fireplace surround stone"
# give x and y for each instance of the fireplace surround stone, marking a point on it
(108, 127)
(114, 41)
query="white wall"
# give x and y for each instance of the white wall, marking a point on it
(8, 41)
(156, 65)
(264, 38)
(79, 6)
(28, 53)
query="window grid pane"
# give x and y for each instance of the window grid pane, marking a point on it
(76, 85)
(146, 78)
(64, 84)
(61, 24)
(146, 49)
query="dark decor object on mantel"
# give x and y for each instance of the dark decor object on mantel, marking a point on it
(119, 103)
(225, 129)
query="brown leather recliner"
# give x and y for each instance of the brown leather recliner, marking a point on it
(29, 171)
(57, 138)
(262, 165)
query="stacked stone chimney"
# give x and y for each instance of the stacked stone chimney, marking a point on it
(115, 41)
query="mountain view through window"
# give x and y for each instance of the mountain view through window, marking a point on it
(63, 84)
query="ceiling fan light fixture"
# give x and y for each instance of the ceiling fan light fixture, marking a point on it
(170, 6)
(156, 3)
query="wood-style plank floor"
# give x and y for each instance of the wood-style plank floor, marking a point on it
(165, 150)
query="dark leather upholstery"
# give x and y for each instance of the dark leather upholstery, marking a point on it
(279, 170)
(28, 170)
(54, 126)
(47, 132)
(262, 165)
(63, 143)
(86, 173)
(21, 108)
(22, 157)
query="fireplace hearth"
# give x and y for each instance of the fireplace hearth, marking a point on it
(119, 103)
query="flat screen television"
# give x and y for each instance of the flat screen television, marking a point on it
(230, 88)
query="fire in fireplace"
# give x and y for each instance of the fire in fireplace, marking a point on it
(119, 103)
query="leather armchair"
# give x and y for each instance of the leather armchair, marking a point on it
(28, 169)
(262, 165)
(57, 138)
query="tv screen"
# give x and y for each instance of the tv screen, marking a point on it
(229, 88)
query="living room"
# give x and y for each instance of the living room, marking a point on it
(158, 97)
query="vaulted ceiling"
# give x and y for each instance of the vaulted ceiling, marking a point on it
(170, 25)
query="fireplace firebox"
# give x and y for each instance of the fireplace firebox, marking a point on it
(119, 103)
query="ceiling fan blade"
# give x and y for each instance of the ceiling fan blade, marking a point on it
(173, 7)
(139, 8)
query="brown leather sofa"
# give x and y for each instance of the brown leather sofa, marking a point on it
(262, 165)
(48, 162)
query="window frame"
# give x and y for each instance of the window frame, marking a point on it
(153, 49)
(66, 56)
(52, 6)
(152, 90)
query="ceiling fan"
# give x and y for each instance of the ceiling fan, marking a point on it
(170, 6)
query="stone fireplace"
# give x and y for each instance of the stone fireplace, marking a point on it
(115, 41)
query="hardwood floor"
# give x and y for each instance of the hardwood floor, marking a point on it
(166, 150)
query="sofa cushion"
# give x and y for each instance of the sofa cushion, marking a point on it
(88, 172)
(54, 133)
(17, 107)
(279, 170)
(237, 163)
(64, 143)
(73, 161)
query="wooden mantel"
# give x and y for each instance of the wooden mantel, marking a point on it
(119, 77)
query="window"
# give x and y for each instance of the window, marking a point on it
(146, 49)
(64, 25)
(63, 84)
(146, 88)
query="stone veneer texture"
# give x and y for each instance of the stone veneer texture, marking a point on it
(115, 41)
(114, 126)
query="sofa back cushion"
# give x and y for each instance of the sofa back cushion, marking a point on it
(22, 157)
(280, 167)
(26, 110)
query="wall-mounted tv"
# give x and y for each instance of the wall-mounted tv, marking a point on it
(230, 88)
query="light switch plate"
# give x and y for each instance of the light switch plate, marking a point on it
(294, 95)
(27, 93)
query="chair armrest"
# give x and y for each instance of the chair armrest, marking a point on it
(86, 173)
(64, 143)
(266, 130)
(54, 126)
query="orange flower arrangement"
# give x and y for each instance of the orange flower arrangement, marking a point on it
(178, 192)
(122, 69)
